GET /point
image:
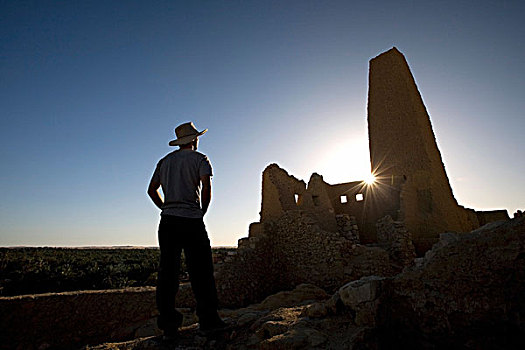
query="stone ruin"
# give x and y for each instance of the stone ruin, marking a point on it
(329, 234)
(404, 155)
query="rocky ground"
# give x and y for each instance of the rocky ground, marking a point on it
(468, 292)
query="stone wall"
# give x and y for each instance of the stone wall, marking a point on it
(247, 276)
(72, 319)
(318, 202)
(304, 253)
(348, 197)
(63, 320)
(485, 217)
(295, 250)
(347, 227)
(367, 202)
(279, 192)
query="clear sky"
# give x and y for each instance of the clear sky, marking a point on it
(90, 92)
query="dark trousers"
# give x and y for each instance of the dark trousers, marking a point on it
(175, 234)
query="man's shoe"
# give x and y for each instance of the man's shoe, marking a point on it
(171, 329)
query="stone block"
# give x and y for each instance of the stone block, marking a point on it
(366, 289)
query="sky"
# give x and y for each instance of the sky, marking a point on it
(91, 91)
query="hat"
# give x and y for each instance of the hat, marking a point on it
(186, 133)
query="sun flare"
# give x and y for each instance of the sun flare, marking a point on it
(370, 179)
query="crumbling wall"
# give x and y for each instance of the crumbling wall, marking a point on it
(304, 253)
(296, 243)
(318, 203)
(484, 217)
(248, 275)
(367, 202)
(279, 191)
(347, 227)
(298, 240)
(71, 319)
(402, 143)
(282, 193)
(348, 198)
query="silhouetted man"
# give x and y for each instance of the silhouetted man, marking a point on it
(185, 177)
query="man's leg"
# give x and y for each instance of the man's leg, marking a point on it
(169, 318)
(200, 267)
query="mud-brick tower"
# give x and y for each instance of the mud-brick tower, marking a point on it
(403, 146)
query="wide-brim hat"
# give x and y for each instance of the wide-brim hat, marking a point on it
(186, 133)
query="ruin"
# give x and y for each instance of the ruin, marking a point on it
(404, 154)
(329, 234)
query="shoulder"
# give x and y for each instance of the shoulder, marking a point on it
(200, 156)
(166, 157)
(205, 167)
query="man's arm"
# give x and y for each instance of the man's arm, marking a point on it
(153, 192)
(205, 193)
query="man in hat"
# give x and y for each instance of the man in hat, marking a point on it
(185, 178)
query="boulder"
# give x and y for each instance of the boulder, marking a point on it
(362, 297)
(300, 295)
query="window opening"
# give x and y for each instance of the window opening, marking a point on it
(344, 199)
(359, 197)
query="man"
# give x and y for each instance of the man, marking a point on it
(185, 178)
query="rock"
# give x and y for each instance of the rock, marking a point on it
(301, 294)
(315, 310)
(272, 328)
(362, 296)
(314, 337)
(357, 292)
(148, 329)
(444, 240)
(290, 340)
(334, 304)
(297, 338)
(490, 226)
(469, 293)
(247, 318)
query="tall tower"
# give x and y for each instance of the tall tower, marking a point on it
(403, 146)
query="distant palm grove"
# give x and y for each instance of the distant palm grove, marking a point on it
(43, 270)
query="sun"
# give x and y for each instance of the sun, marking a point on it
(343, 161)
(370, 179)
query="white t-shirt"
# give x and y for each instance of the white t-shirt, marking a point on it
(179, 174)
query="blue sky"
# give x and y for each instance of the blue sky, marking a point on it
(91, 92)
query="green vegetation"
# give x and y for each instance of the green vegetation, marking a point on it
(42, 270)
